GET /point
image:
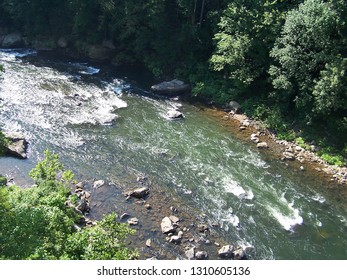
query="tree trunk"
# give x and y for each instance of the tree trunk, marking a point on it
(202, 12)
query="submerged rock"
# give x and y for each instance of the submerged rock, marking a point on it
(17, 145)
(170, 87)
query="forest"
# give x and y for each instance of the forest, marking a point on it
(285, 62)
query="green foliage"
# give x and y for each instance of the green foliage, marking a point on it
(3, 181)
(101, 242)
(308, 56)
(3, 143)
(331, 156)
(35, 222)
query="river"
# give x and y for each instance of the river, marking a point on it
(105, 124)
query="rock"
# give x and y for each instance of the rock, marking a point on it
(139, 193)
(201, 255)
(202, 227)
(98, 52)
(175, 239)
(170, 87)
(190, 254)
(174, 219)
(79, 186)
(288, 156)
(238, 253)
(302, 168)
(262, 145)
(62, 43)
(148, 242)
(246, 123)
(133, 221)
(99, 183)
(167, 226)
(124, 216)
(12, 40)
(226, 251)
(148, 206)
(255, 138)
(17, 145)
(174, 114)
(234, 106)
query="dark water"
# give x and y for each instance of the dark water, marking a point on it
(105, 125)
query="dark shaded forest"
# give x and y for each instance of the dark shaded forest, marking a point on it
(285, 62)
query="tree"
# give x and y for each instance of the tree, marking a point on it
(35, 222)
(308, 57)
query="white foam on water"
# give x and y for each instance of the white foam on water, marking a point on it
(231, 186)
(16, 53)
(289, 219)
(319, 198)
(84, 68)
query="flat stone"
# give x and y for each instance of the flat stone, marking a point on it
(174, 219)
(167, 226)
(262, 145)
(140, 192)
(99, 183)
(148, 242)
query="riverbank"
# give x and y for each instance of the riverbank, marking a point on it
(295, 156)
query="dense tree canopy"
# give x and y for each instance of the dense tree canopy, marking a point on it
(285, 61)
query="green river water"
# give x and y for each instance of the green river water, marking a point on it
(104, 124)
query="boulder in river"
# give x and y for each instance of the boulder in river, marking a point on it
(170, 87)
(12, 40)
(139, 192)
(167, 226)
(174, 115)
(17, 144)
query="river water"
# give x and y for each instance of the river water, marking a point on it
(105, 124)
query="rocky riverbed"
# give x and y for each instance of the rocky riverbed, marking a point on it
(297, 158)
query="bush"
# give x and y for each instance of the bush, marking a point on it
(35, 222)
